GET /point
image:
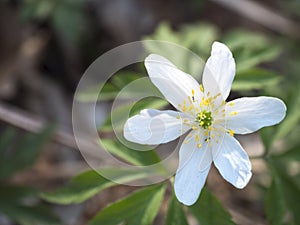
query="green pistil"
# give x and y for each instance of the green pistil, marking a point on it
(204, 119)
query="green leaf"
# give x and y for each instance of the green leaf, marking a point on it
(175, 215)
(209, 211)
(6, 138)
(267, 135)
(290, 189)
(111, 88)
(89, 183)
(12, 204)
(120, 114)
(255, 79)
(289, 155)
(275, 204)
(29, 215)
(91, 94)
(138, 158)
(248, 55)
(138, 208)
(293, 116)
(16, 156)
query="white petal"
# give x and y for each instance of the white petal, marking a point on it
(246, 115)
(189, 179)
(219, 70)
(190, 145)
(153, 126)
(174, 84)
(233, 162)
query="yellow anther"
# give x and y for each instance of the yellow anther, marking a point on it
(231, 132)
(191, 107)
(233, 113)
(197, 138)
(190, 99)
(194, 127)
(206, 133)
(199, 145)
(193, 92)
(231, 104)
(201, 88)
(178, 117)
(209, 128)
(217, 95)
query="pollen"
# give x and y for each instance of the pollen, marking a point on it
(233, 113)
(204, 119)
(201, 88)
(231, 132)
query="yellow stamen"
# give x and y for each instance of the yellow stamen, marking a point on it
(231, 132)
(233, 113)
(201, 88)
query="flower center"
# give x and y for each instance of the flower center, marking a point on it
(204, 119)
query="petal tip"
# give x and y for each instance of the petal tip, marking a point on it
(220, 48)
(243, 181)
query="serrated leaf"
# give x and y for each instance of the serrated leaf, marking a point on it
(209, 211)
(175, 215)
(255, 79)
(138, 208)
(17, 156)
(89, 183)
(135, 157)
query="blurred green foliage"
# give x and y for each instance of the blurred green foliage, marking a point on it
(254, 53)
(19, 151)
(65, 16)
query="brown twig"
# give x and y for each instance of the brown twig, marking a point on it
(26, 121)
(263, 15)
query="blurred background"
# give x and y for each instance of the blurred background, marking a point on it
(45, 47)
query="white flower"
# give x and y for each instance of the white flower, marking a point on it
(210, 120)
